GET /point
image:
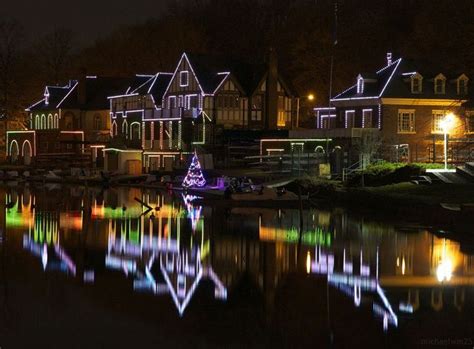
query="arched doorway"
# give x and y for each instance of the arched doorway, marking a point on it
(26, 152)
(14, 151)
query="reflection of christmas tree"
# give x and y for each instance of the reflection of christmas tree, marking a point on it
(194, 178)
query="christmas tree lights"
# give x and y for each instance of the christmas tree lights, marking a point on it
(194, 177)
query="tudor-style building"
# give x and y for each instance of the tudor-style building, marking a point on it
(168, 115)
(70, 120)
(404, 105)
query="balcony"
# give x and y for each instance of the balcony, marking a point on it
(331, 132)
(173, 113)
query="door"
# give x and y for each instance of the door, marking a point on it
(26, 153)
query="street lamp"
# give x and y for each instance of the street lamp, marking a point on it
(310, 97)
(446, 125)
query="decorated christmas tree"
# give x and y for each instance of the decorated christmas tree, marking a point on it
(194, 177)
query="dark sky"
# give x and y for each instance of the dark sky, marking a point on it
(89, 19)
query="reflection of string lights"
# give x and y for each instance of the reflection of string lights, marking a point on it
(444, 271)
(194, 212)
(308, 263)
(351, 284)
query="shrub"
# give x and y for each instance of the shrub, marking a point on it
(388, 173)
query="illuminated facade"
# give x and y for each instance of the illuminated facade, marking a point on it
(168, 114)
(403, 106)
(69, 126)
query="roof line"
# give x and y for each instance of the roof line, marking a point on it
(227, 74)
(33, 105)
(153, 83)
(347, 89)
(390, 78)
(156, 77)
(176, 70)
(146, 82)
(67, 94)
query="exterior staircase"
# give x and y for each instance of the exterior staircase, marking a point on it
(466, 171)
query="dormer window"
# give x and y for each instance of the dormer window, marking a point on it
(184, 78)
(462, 85)
(416, 83)
(360, 84)
(46, 96)
(440, 85)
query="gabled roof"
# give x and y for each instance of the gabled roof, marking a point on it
(208, 70)
(212, 70)
(54, 94)
(97, 89)
(394, 81)
(373, 89)
(156, 86)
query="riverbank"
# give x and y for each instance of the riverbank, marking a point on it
(442, 207)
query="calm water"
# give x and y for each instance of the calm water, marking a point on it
(82, 267)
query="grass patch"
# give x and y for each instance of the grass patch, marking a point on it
(384, 173)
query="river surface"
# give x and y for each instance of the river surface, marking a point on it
(129, 268)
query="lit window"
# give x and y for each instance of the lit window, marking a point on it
(367, 118)
(406, 121)
(184, 78)
(438, 116)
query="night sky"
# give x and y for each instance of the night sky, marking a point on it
(89, 19)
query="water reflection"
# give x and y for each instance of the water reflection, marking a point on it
(168, 246)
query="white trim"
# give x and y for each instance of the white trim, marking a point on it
(31, 106)
(67, 94)
(398, 61)
(345, 117)
(222, 82)
(183, 73)
(183, 56)
(23, 148)
(124, 95)
(17, 146)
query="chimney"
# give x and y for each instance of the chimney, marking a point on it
(389, 58)
(81, 87)
(271, 118)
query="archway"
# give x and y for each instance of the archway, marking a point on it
(14, 151)
(135, 131)
(50, 121)
(125, 128)
(26, 152)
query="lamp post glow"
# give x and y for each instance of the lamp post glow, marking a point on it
(310, 97)
(446, 125)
